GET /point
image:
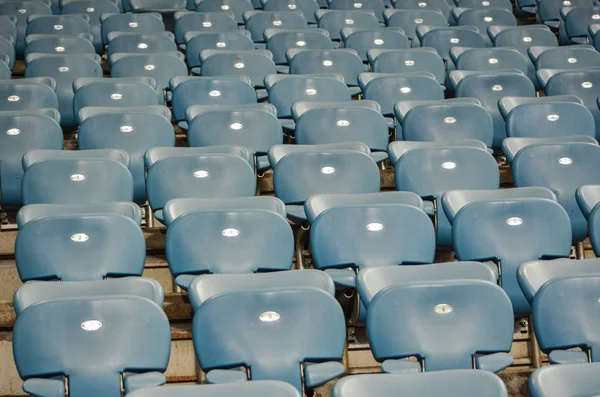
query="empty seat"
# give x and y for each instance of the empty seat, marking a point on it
(237, 7)
(445, 121)
(32, 93)
(333, 21)
(140, 43)
(94, 9)
(273, 319)
(202, 21)
(8, 27)
(90, 111)
(306, 7)
(389, 88)
(377, 6)
(134, 338)
(300, 171)
(196, 42)
(64, 69)
(482, 19)
(576, 57)
(257, 21)
(578, 20)
(364, 39)
(548, 11)
(588, 197)
(162, 67)
(70, 177)
(167, 9)
(485, 4)
(436, 5)
(488, 88)
(513, 146)
(212, 172)
(37, 211)
(248, 389)
(49, 112)
(58, 25)
(546, 117)
(488, 59)
(21, 10)
(222, 90)
(564, 380)
(59, 45)
(410, 20)
(402, 324)
(131, 23)
(460, 382)
(408, 61)
(280, 40)
(22, 133)
(458, 165)
(444, 38)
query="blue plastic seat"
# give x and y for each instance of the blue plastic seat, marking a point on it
(343, 61)
(436, 5)
(221, 90)
(301, 171)
(167, 9)
(131, 23)
(488, 88)
(64, 69)
(37, 211)
(58, 25)
(444, 38)
(306, 7)
(364, 39)
(273, 320)
(408, 61)
(510, 229)
(546, 117)
(233, 241)
(445, 121)
(203, 22)
(8, 27)
(285, 90)
(161, 66)
(73, 176)
(211, 172)
(410, 20)
(576, 57)
(431, 169)
(257, 21)
(488, 59)
(484, 4)
(196, 42)
(389, 88)
(34, 292)
(465, 383)
(513, 146)
(21, 10)
(32, 93)
(482, 19)
(59, 45)
(140, 43)
(336, 122)
(280, 40)
(377, 6)
(134, 338)
(566, 379)
(334, 20)
(94, 9)
(248, 389)
(237, 7)
(90, 111)
(548, 11)
(132, 132)
(414, 320)
(48, 112)
(22, 133)
(578, 20)
(583, 84)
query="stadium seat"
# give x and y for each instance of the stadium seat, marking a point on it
(364, 39)
(273, 320)
(232, 241)
(90, 111)
(167, 9)
(482, 19)
(28, 94)
(507, 227)
(465, 383)
(161, 66)
(444, 121)
(257, 21)
(389, 88)
(577, 21)
(334, 20)
(408, 61)
(582, 84)
(237, 7)
(248, 389)
(336, 122)
(64, 69)
(301, 171)
(512, 146)
(548, 11)
(588, 197)
(485, 4)
(436, 5)
(197, 173)
(576, 57)
(488, 88)
(564, 380)
(221, 90)
(8, 27)
(409, 20)
(444, 38)
(22, 133)
(94, 9)
(196, 42)
(135, 338)
(49, 112)
(74, 176)
(58, 25)
(21, 10)
(202, 22)
(59, 45)
(140, 43)
(306, 7)
(37, 211)
(546, 117)
(413, 320)
(377, 6)
(488, 59)
(131, 23)
(280, 40)
(462, 165)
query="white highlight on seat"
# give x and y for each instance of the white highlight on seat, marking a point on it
(149, 67)
(239, 65)
(443, 308)
(311, 91)
(59, 49)
(276, 23)
(527, 39)
(422, 4)
(405, 90)
(566, 3)
(449, 120)
(378, 42)
(292, 6)
(214, 93)
(133, 24)
(77, 177)
(14, 98)
(485, 3)
(63, 69)
(207, 24)
(327, 170)
(349, 21)
(455, 40)
(58, 27)
(493, 61)
(497, 87)
(327, 63)
(565, 161)
(409, 63)
(418, 21)
(236, 126)
(587, 84)
(230, 232)
(357, 5)
(269, 317)
(374, 227)
(22, 11)
(126, 128)
(225, 7)
(221, 44)
(342, 123)
(80, 237)
(488, 19)
(301, 43)
(142, 46)
(90, 9)
(116, 96)
(514, 221)
(596, 16)
(91, 325)
(13, 131)
(201, 174)
(553, 117)
(449, 165)
(572, 60)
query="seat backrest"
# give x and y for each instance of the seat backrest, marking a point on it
(410, 20)
(132, 23)
(335, 20)
(443, 39)
(202, 21)
(273, 320)
(94, 9)
(569, 58)
(364, 39)
(124, 333)
(487, 59)
(36, 211)
(579, 19)
(237, 7)
(8, 27)
(21, 10)
(407, 61)
(345, 62)
(482, 19)
(60, 25)
(583, 84)
(435, 5)
(563, 168)
(306, 7)
(280, 40)
(372, 235)
(161, 67)
(196, 42)
(257, 22)
(256, 64)
(512, 232)
(550, 10)
(523, 37)
(54, 44)
(429, 321)
(561, 380)
(140, 43)
(24, 94)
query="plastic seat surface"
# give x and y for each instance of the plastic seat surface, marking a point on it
(249, 389)
(202, 21)
(565, 379)
(280, 40)
(335, 20)
(35, 211)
